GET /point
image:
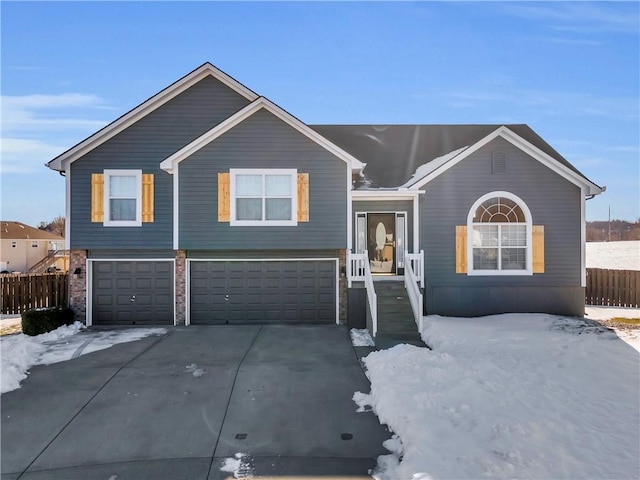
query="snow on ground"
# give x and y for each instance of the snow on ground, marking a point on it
(508, 396)
(361, 338)
(21, 352)
(614, 255)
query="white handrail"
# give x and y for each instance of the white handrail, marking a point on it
(359, 270)
(416, 261)
(413, 291)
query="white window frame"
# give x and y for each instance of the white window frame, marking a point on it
(528, 270)
(107, 204)
(293, 173)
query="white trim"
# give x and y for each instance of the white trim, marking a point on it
(88, 304)
(525, 146)
(380, 195)
(62, 161)
(168, 164)
(176, 210)
(187, 292)
(89, 269)
(292, 173)
(529, 236)
(583, 239)
(107, 204)
(67, 209)
(312, 259)
(349, 212)
(416, 224)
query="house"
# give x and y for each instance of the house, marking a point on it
(24, 248)
(210, 204)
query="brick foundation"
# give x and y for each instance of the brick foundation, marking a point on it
(78, 284)
(181, 301)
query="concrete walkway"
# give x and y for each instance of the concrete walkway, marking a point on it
(175, 407)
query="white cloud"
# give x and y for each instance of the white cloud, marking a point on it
(37, 128)
(50, 112)
(20, 155)
(580, 17)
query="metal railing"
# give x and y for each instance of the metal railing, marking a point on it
(411, 282)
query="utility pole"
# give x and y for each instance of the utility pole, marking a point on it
(609, 234)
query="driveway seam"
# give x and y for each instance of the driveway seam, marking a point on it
(233, 386)
(90, 400)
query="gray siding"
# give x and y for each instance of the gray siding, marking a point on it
(262, 141)
(386, 206)
(143, 146)
(130, 254)
(553, 201)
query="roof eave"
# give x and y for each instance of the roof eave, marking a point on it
(61, 162)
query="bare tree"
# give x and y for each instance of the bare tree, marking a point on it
(55, 226)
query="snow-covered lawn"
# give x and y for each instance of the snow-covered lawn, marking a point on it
(614, 255)
(21, 352)
(508, 396)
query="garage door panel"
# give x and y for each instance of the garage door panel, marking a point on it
(263, 291)
(116, 283)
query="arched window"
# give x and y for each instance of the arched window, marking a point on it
(500, 235)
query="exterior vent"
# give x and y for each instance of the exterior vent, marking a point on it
(499, 164)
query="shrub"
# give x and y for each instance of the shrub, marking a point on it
(43, 320)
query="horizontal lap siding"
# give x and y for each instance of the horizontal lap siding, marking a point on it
(553, 201)
(386, 206)
(143, 146)
(262, 141)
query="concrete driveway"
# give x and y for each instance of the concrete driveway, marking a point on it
(176, 406)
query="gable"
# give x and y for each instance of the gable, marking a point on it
(230, 96)
(261, 104)
(561, 168)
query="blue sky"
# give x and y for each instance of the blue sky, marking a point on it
(569, 70)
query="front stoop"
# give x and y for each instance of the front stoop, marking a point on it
(395, 318)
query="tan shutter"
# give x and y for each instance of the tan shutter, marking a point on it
(303, 197)
(461, 249)
(147, 197)
(224, 197)
(538, 248)
(97, 197)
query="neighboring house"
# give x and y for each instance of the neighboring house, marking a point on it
(24, 247)
(209, 204)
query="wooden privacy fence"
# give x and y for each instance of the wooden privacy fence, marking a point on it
(23, 292)
(614, 288)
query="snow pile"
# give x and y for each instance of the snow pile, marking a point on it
(614, 255)
(194, 370)
(508, 396)
(239, 466)
(361, 338)
(21, 352)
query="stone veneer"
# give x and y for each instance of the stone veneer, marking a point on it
(180, 272)
(78, 284)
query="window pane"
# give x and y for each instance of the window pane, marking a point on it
(248, 185)
(249, 209)
(485, 236)
(278, 209)
(278, 185)
(122, 209)
(485, 258)
(513, 258)
(514, 236)
(122, 186)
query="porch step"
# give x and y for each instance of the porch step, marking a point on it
(395, 316)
